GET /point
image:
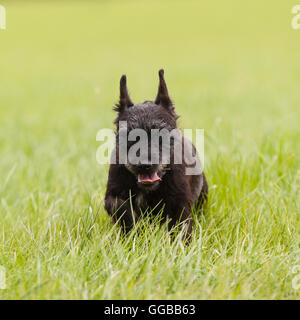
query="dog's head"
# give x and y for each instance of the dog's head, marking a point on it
(139, 128)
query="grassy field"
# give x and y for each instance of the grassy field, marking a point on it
(231, 69)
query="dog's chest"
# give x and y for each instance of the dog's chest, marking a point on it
(152, 201)
(141, 201)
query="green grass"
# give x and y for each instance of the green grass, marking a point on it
(233, 70)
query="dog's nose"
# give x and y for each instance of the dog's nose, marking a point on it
(142, 166)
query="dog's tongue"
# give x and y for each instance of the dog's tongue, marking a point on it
(148, 178)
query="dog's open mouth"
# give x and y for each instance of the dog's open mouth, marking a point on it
(148, 178)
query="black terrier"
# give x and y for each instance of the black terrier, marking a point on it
(163, 187)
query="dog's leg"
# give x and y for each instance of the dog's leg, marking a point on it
(180, 214)
(120, 211)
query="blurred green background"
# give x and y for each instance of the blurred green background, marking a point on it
(232, 68)
(229, 64)
(61, 62)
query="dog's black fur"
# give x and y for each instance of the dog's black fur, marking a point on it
(176, 193)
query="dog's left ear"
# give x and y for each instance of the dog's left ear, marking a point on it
(125, 101)
(162, 97)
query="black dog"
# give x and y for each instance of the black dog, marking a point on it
(161, 187)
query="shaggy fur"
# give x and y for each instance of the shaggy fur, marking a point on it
(176, 193)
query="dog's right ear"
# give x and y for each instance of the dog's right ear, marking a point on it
(125, 101)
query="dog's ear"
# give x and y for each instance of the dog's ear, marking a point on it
(125, 101)
(162, 97)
